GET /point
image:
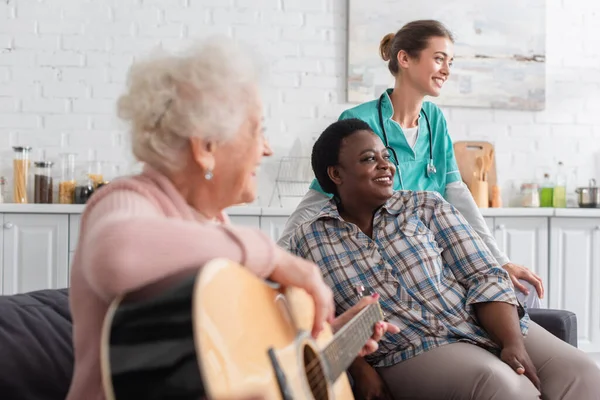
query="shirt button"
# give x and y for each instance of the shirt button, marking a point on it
(416, 307)
(396, 285)
(441, 328)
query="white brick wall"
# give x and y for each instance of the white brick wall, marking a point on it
(63, 63)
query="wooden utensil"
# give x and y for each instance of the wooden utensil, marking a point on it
(480, 191)
(466, 153)
(489, 159)
(480, 167)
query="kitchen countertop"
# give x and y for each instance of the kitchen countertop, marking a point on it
(284, 212)
(8, 208)
(577, 212)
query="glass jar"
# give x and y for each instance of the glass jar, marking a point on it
(2, 189)
(43, 182)
(20, 174)
(84, 189)
(110, 171)
(530, 195)
(67, 182)
(95, 172)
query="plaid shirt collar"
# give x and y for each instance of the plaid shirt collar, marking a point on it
(394, 206)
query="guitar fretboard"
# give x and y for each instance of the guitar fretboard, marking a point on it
(349, 340)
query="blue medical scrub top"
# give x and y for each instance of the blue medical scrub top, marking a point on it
(412, 164)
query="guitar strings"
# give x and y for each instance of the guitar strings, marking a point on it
(319, 388)
(311, 368)
(321, 391)
(314, 363)
(318, 380)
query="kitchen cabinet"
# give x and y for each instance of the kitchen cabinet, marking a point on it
(273, 225)
(489, 221)
(74, 222)
(525, 241)
(71, 255)
(252, 221)
(34, 252)
(575, 275)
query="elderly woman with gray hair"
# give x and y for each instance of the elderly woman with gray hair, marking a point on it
(196, 125)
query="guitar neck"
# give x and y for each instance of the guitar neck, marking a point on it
(349, 340)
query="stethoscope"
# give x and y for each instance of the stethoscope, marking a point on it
(431, 170)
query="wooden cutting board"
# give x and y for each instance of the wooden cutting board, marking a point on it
(466, 153)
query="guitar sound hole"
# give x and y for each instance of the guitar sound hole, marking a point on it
(315, 375)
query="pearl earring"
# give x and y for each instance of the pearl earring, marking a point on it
(208, 175)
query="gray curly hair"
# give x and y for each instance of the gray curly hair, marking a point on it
(204, 92)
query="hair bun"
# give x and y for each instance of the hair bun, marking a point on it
(385, 46)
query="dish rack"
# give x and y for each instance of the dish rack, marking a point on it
(294, 176)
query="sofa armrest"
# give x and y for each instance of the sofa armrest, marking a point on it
(561, 323)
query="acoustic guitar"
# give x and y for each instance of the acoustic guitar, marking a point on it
(223, 333)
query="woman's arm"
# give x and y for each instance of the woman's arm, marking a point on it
(460, 197)
(458, 194)
(465, 253)
(127, 243)
(501, 322)
(312, 202)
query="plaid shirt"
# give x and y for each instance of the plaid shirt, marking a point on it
(426, 262)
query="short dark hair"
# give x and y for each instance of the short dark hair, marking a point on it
(326, 150)
(412, 38)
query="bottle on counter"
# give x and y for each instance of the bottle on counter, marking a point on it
(496, 201)
(21, 174)
(43, 185)
(559, 195)
(546, 192)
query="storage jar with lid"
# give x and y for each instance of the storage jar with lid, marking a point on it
(83, 189)
(530, 195)
(95, 172)
(43, 182)
(2, 189)
(67, 182)
(20, 173)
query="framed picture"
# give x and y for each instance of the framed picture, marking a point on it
(500, 50)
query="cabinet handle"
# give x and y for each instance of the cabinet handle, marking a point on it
(500, 227)
(8, 225)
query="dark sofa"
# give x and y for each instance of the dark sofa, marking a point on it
(36, 355)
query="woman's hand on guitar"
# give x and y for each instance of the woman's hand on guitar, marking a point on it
(378, 331)
(291, 270)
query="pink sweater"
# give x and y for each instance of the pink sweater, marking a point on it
(134, 231)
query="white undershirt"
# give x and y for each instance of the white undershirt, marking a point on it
(411, 135)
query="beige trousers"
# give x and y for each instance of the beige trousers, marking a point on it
(465, 371)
